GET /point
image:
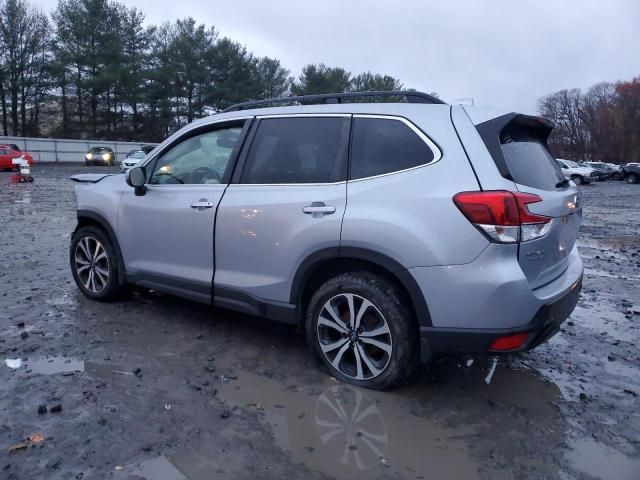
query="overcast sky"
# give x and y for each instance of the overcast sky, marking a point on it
(503, 53)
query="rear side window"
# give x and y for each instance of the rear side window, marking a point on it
(529, 160)
(382, 145)
(298, 150)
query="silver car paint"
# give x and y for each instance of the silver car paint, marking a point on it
(543, 259)
(102, 198)
(410, 216)
(491, 292)
(179, 238)
(262, 234)
(406, 215)
(483, 164)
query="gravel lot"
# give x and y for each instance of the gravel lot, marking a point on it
(160, 388)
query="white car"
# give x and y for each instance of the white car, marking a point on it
(575, 172)
(133, 158)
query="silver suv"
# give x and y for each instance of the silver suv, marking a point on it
(392, 232)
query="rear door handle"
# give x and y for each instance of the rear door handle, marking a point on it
(202, 204)
(318, 209)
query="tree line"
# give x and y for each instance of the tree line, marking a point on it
(93, 69)
(599, 124)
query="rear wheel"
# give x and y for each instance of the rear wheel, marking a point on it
(360, 332)
(94, 264)
(577, 179)
(632, 178)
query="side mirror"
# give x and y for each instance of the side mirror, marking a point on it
(565, 167)
(136, 178)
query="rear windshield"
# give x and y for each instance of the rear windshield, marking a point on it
(529, 160)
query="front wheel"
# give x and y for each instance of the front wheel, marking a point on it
(360, 332)
(94, 264)
(577, 180)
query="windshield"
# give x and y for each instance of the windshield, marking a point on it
(137, 155)
(571, 164)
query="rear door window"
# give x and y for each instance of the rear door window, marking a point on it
(385, 145)
(298, 150)
(529, 161)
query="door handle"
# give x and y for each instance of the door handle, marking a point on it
(318, 209)
(202, 204)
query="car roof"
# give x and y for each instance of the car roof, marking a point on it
(398, 109)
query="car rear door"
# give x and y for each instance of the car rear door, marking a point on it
(286, 203)
(166, 235)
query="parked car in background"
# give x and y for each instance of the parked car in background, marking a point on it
(603, 171)
(10, 151)
(631, 172)
(363, 223)
(100, 156)
(575, 172)
(133, 157)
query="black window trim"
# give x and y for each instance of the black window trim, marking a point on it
(237, 174)
(171, 142)
(433, 146)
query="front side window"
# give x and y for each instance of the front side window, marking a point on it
(200, 159)
(298, 150)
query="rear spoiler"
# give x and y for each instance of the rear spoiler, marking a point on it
(496, 131)
(90, 177)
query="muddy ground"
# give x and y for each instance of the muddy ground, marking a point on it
(160, 388)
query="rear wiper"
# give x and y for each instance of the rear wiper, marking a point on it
(562, 183)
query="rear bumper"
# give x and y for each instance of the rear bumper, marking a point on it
(544, 325)
(472, 305)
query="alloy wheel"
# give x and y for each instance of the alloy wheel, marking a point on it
(354, 336)
(92, 264)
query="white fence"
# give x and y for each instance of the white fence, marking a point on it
(60, 150)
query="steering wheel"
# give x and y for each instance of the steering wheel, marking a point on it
(200, 174)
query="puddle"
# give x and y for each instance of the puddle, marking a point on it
(154, 469)
(54, 365)
(424, 430)
(602, 462)
(348, 432)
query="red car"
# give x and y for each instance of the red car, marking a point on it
(8, 153)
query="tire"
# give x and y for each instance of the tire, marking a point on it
(380, 368)
(632, 178)
(83, 246)
(577, 179)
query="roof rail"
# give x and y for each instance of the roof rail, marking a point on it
(411, 96)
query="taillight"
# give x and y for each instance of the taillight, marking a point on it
(508, 342)
(503, 216)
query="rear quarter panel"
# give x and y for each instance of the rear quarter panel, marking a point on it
(410, 216)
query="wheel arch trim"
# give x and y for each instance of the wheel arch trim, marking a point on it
(88, 217)
(392, 266)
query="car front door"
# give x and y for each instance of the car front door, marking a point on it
(166, 235)
(286, 202)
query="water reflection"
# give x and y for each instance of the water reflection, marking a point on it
(351, 427)
(444, 428)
